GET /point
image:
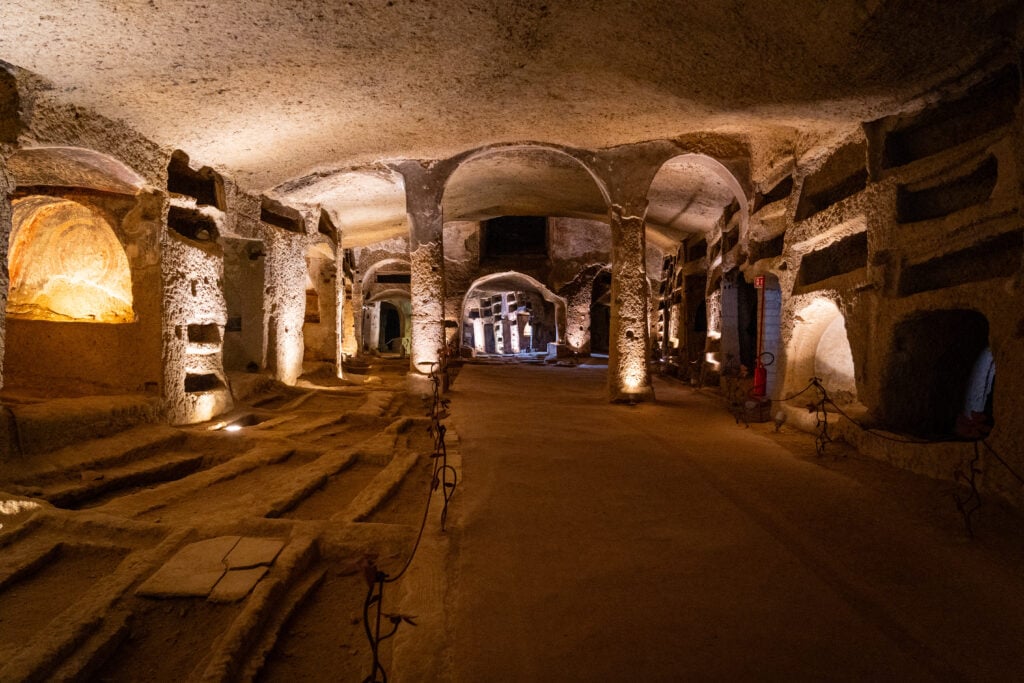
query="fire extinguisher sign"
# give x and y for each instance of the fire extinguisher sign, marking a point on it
(759, 282)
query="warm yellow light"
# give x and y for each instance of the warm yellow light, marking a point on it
(232, 428)
(13, 507)
(66, 263)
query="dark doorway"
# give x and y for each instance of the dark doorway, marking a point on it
(746, 321)
(930, 371)
(390, 328)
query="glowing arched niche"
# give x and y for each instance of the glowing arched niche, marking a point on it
(820, 348)
(66, 264)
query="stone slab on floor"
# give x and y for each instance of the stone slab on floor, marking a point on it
(236, 584)
(192, 572)
(223, 569)
(253, 552)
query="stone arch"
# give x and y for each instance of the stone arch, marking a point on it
(366, 280)
(515, 281)
(73, 167)
(690, 191)
(462, 162)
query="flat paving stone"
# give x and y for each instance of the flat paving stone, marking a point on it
(236, 584)
(254, 552)
(192, 572)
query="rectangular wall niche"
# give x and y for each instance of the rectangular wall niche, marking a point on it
(986, 107)
(767, 249)
(280, 216)
(204, 334)
(781, 191)
(514, 236)
(949, 197)
(993, 258)
(198, 383)
(192, 224)
(394, 278)
(843, 256)
(697, 250)
(205, 185)
(843, 175)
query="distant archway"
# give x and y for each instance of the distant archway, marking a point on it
(510, 313)
(387, 322)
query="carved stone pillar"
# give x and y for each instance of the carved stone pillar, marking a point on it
(629, 376)
(426, 285)
(423, 191)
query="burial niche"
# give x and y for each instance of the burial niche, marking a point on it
(940, 369)
(66, 264)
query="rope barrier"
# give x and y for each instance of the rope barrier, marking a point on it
(966, 504)
(443, 477)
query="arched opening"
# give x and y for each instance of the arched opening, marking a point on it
(695, 201)
(390, 338)
(510, 314)
(386, 323)
(820, 348)
(689, 195)
(940, 370)
(522, 180)
(386, 280)
(601, 314)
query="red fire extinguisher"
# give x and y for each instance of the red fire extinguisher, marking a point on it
(760, 371)
(760, 380)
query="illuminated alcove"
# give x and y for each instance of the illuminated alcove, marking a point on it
(66, 264)
(510, 313)
(819, 347)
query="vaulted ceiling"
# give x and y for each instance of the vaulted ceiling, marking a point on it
(271, 91)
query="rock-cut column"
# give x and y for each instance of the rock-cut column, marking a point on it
(426, 256)
(629, 376)
(424, 187)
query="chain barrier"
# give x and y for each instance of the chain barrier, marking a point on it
(379, 625)
(967, 502)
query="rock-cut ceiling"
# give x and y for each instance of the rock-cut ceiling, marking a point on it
(271, 92)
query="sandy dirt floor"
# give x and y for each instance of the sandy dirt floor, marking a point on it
(665, 542)
(586, 541)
